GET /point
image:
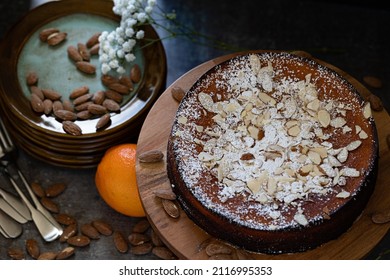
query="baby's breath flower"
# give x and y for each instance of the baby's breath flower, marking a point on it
(117, 47)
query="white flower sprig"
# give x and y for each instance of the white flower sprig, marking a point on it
(116, 47)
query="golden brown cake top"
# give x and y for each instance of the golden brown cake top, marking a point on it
(273, 140)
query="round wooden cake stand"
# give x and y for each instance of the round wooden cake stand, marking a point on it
(187, 240)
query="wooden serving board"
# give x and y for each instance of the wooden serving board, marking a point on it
(186, 239)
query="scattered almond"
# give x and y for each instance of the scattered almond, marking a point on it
(47, 256)
(163, 253)
(16, 254)
(171, 208)
(103, 121)
(45, 33)
(74, 54)
(78, 241)
(142, 249)
(55, 189)
(177, 93)
(32, 248)
(151, 156)
(65, 253)
(380, 218)
(50, 205)
(56, 38)
(120, 242)
(372, 81)
(86, 67)
(376, 102)
(135, 73)
(141, 226)
(89, 231)
(102, 227)
(32, 78)
(68, 232)
(71, 128)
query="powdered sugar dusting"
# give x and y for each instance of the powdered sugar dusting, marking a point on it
(258, 132)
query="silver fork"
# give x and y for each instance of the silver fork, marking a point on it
(44, 221)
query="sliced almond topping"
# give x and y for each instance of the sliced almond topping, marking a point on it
(306, 169)
(301, 219)
(363, 135)
(314, 157)
(343, 155)
(324, 118)
(343, 194)
(367, 110)
(354, 145)
(338, 122)
(314, 105)
(294, 131)
(182, 120)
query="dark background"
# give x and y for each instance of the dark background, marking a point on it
(351, 35)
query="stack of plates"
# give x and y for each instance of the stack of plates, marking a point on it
(21, 52)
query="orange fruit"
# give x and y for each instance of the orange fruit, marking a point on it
(116, 181)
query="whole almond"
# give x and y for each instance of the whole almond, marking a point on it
(90, 231)
(372, 81)
(57, 105)
(117, 97)
(38, 190)
(97, 109)
(136, 238)
(71, 128)
(84, 52)
(65, 219)
(47, 256)
(45, 33)
(93, 40)
(380, 218)
(36, 103)
(135, 73)
(84, 115)
(165, 194)
(111, 105)
(151, 156)
(103, 121)
(50, 205)
(31, 78)
(95, 49)
(36, 90)
(108, 79)
(79, 92)
(55, 189)
(120, 242)
(171, 208)
(16, 253)
(118, 87)
(74, 54)
(68, 232)
(47, 106)
(65, 115)
(65, 253)
(86, 67)
(98, 97)
(68, 106)
(124, 80)
(51, 94)
(142, 249)
(102, 227)
(56, 38)
(141, 226)
(82, 99)
(375, 102)
(79, 241)
(83, 106)
(32, 248)
(163, 253)
(177, 93)
(217, 248)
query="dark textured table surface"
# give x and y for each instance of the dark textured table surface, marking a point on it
(354, 38)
